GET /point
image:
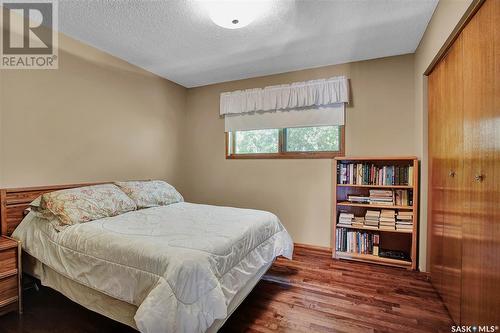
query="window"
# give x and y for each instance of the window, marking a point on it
(256, 142)
(300, 142)
(304, 139)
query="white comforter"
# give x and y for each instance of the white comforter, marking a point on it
(180, 264)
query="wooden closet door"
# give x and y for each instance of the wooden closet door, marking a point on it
(494, 269)
(436, 175)
(481, 231)
(451, 133)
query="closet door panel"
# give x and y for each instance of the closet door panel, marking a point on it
(436, 175)
(493, 282)
(480, 228)
(452, 133)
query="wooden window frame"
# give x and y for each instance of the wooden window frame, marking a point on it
(230, 155)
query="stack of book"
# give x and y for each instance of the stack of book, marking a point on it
(345, 219)
(358, 222)
(371, 174)
(372, 219)
(381, 197)
(387, 219)
(404, 221)
(403, 198)
(354, 241)
(358, 198)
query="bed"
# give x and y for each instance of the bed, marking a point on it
(183, 267)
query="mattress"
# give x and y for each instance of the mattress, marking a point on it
(180, 265)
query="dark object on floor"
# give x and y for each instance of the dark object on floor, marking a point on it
(392, 254)
(30, 283)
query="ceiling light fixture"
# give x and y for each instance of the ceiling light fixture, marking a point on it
(235, 14)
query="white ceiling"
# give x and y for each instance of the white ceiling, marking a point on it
(177, 40)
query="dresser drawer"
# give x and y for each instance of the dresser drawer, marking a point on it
(8, 261)
(8, 289)
(10, 275)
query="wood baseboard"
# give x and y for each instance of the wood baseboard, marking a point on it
(313, 247)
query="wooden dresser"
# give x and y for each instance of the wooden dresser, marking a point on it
(10, 275)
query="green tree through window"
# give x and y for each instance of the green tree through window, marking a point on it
(257, 142)
(324, 138)
(288, 140)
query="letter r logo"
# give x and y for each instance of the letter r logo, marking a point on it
(27, 28)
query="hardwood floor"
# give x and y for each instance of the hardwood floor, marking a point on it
(311, 293)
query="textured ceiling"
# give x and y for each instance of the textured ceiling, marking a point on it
(177, 40)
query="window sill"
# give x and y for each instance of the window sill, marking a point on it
(294, 155)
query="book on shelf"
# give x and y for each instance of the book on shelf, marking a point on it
(404, 227)
(387, 219)
(405, 215)
(345, 219)
(352, 241)
(350, 221)
(358, 222)
(388, 213)
(376, 241)
(404, 220)
(371, 227)
(372, 218)
(381, 193)
(358, 199)
(371, 174)
(387, 226)
(403, 198)
(382, 197)
(372, 213)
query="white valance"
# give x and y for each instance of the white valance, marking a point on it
(298, 95)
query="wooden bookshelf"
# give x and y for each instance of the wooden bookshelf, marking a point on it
(404, 240)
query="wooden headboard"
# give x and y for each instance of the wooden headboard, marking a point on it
(14, 201)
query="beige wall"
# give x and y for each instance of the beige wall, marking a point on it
(446, 16)
(379, 122)
(99, 118)
(96, 118)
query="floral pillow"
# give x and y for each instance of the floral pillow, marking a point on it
(151, 193)
(84, 204)
(35, 206)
